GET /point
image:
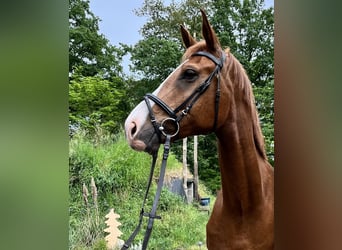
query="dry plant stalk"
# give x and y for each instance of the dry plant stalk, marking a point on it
(93, 191)
(94, 195)
(85, 194)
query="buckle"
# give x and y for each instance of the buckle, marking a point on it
(149, 215)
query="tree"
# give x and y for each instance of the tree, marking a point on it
(155, 59)
(265, 104)
(89, 51)
(248, 30)
(96, 101)
(97, 87)
(164, 20)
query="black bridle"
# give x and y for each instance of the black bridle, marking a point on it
(176, 115)
(162, 128)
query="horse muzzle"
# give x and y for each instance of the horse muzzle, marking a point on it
(140, 134)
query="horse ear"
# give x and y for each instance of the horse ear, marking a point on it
(209, 34)
(188, 40)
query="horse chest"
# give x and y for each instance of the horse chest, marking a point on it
(230, 232)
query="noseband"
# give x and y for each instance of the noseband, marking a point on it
(175, 116)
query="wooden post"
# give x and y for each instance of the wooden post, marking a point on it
(185, 177)
(196, 168)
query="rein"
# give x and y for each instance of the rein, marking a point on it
(152, 215)
(163, 129)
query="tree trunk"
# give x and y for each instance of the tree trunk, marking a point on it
(185, 178)
(196, 168)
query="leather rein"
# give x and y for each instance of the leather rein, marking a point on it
(163, 129)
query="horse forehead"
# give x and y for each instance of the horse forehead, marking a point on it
(201, 64)
(169, 79)
(200, 46)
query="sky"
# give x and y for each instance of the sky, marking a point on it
(119, 23)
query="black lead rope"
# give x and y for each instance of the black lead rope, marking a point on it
(152, 215)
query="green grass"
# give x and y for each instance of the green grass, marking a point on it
(121, 176)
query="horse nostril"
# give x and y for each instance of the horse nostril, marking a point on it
(134, 129)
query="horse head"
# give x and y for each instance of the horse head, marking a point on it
(190, 101)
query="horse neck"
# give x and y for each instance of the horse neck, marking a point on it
(242, 159)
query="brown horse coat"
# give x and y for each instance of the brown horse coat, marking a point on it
(243, 214)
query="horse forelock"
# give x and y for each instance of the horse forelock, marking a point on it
(199, 46)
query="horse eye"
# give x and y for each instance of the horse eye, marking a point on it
(190, 75)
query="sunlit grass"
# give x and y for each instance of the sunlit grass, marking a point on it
(121, 176)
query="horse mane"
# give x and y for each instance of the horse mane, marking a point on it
(240, 78)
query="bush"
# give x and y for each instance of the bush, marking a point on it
(112, 163)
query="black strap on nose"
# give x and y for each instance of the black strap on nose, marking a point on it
(160, 103)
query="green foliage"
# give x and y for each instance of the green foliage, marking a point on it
(90, 51)
(91, 232)
(248, 30)
(97, 89)
(264, 98)
(153, 60)
(184, 224)
(93, 100)
(121, 174)
(160, 57)
(164, 20)
(113, 166)
(89, 219)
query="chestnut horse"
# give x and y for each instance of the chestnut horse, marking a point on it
(210, 92)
